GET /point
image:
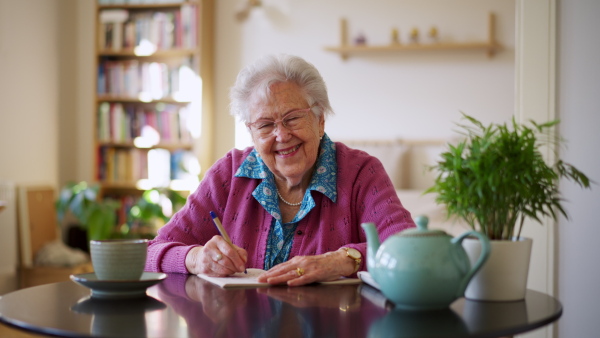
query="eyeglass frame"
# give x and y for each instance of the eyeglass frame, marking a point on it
(279, 121)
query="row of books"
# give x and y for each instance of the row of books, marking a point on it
(146, 126)
(157, 29)
(155, 166)
(122, 164)
(148, 80)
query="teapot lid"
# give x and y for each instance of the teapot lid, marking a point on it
(421, 229)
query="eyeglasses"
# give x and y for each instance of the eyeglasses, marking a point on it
(295, 120)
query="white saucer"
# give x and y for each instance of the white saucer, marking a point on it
(118, 288)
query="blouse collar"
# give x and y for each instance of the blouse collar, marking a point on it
(323, 180)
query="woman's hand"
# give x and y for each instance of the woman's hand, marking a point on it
(218, 304)
(216, 258)
(333, 296)
(302, 270)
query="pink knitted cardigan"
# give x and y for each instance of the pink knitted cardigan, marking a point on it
(365, 194)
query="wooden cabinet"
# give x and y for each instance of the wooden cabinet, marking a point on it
(153, 106)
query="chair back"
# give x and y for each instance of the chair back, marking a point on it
(37, 220)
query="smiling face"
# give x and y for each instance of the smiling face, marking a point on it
(289, 154)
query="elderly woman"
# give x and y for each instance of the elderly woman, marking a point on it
(293, 203)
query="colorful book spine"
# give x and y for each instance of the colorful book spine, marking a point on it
(132, 78)
(122, 123)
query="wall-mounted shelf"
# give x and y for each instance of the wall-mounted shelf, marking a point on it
(491, 46)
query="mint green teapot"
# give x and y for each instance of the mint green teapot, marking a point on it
(422, 269)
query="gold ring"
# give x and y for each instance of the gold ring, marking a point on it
(300, 271)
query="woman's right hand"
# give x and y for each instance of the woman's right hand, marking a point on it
(216, 258)
(218, 304)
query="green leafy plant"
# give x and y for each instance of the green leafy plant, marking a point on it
(148, 213)
(496, 177)
(97, 217)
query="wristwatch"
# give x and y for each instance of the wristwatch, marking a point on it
(355, 255)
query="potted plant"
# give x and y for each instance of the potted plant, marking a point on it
(97, 217)
(151, 211)
(494, 180)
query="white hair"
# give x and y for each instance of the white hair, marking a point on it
(255, 80)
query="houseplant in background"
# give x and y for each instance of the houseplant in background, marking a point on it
(494, 180)
(106, 218)
(150, 212)
(98, 217)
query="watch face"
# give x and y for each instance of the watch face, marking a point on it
(355, 254)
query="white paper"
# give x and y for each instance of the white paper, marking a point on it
(241, 279)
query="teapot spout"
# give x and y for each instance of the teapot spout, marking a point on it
(372, 244)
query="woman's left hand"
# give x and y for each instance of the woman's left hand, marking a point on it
(302, 270)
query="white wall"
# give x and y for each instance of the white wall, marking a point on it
(29, 90)
(84, 93)
(29, 97)
(579, 111)
(384, 95)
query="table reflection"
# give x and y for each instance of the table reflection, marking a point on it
(314, 310)
(114, 317)
(187, 306)
(402, 323)
(480, 316)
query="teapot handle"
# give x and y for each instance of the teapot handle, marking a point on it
(485, 253)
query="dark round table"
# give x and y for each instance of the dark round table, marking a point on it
(187, 306)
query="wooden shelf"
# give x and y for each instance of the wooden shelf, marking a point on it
(169, 53)
(127, 99)
(119, 188)
(119, 185)
(399, 47)
(129, 188)
(146, 5)
(490, 46)
(168, 146)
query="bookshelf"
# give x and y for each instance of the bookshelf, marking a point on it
(153, 97)
(153, 63)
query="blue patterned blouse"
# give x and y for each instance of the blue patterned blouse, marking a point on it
(281, 235)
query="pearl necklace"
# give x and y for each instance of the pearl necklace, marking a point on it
(286, 202)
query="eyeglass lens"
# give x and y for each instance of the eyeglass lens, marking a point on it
(293, 121)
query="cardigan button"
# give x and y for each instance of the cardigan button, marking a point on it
(299, 232)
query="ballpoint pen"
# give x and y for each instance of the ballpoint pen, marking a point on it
(222, 230)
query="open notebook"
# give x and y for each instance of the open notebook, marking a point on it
(240, 280)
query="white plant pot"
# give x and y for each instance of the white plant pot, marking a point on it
(504, 276)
